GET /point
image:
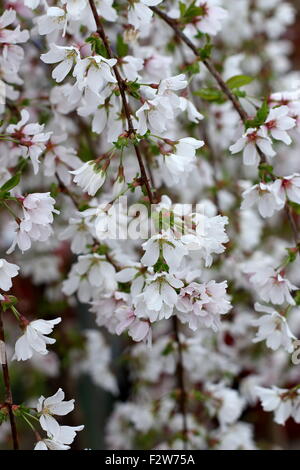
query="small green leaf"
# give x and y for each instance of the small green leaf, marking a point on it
(97, 45)
(211, 94)
(260, 117)
(295, 207)
(263, 112)
(182, 8)
(190, 12)
(297, 297)
(168, 349)
(11, 183)
(239, 80)
(121, 46)
(205, 52)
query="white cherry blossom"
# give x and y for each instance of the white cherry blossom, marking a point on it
(274, 329)
(35, 339)
(7, 272)
(250, 142)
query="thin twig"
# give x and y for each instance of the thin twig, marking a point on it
(207, 62)
(8, 392)
(152, 199)
(226, 90)
(122, 89)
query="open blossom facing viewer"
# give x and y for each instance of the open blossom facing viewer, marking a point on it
(252, 141)
(55, 405)
(278, 122)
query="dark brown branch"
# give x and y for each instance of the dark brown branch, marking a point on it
(7, 386)
(152, 199)
(182, 397)
(122, 88)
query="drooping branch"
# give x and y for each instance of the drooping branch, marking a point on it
(152, 199)
(127, 112)
(207, 62)
(226, 90)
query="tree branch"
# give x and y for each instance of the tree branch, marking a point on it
(226, 90)
(7, 386)
(182, 399)
(122, 88)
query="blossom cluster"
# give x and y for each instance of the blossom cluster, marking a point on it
(168, 106)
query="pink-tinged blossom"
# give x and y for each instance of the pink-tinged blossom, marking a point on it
(138, 329)
(278, 122)
(288, 187)
(202, 304)
(32, 139)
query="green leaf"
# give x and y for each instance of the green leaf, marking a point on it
(292, 255)
(132, 88)
(263, 112)
(211, 94)
(122, 47)
(182, 8)
(260, 117)
(168, 349)
(297, 297)
(295, 207)
(189, 13)
(238, 80)
(205, 52)
(97, 45)
(11, 183)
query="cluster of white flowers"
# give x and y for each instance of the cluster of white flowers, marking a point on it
(118, 186)
(58, 437)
